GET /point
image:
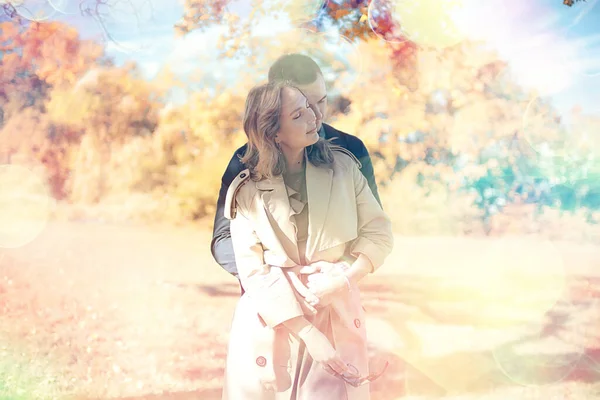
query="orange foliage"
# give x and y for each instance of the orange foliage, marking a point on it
(199, 13)
(105, 134)
(52, 51)
(36, 58)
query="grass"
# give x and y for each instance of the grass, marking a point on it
(96, 311)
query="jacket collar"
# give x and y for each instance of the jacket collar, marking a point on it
(277, 205)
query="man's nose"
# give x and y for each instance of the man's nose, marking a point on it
(314, 114)
(317, 112)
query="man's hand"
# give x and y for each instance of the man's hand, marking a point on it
(325, 278)
(324, 284)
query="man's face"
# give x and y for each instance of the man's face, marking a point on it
(316, 93)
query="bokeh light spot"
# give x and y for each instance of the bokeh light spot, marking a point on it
(67, 7)
(34, 10)
(429, 23)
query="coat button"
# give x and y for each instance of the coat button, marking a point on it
(261, 361)
(357, 323)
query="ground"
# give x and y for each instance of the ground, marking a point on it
(97, 311)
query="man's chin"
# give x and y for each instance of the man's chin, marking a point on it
(314, 138)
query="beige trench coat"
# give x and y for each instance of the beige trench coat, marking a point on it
(344, 220)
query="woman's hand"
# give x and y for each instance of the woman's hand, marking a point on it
(321, 350)
(325, 278)
(324, 284)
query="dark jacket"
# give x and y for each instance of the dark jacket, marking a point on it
(221, 246)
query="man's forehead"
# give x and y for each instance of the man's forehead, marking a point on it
(315, 90)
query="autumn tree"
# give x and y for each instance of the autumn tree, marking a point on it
(349, 16)
(191, 146)
(351, 19)
(109, 105)
(464, 121)
(35, 59)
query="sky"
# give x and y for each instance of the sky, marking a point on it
(582, 26)
(550, 47)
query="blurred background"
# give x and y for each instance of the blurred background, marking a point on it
(118, 118)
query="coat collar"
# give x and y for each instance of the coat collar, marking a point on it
(277, 205)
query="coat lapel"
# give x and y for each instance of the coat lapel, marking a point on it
(318, 185)
(277, 206)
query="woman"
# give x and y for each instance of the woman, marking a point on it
(306, 228)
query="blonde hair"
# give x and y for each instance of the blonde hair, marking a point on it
(262, 123)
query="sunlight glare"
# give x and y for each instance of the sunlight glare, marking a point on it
(429, 23)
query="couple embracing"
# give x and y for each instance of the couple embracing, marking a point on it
(299, 223)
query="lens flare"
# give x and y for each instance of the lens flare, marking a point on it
(529, 283)
(540, 356)
(429, 23)
(34, 10)
(67, 7)
(589, 328)
(565, 143)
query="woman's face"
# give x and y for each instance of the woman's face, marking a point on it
(298, 125)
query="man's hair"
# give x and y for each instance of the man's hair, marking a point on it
(296, 68)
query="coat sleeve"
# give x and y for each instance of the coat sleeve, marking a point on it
(268, 287)
(221, 246)
(369, 173)
(358, 148)
(375, 239)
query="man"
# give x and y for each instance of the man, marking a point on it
(307, 76)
